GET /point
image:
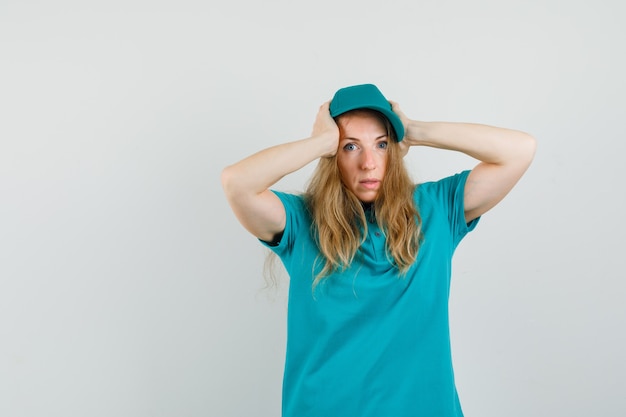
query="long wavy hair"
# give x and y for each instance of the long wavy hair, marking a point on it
(339, 219)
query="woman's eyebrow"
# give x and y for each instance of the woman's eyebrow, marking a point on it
(384, 135)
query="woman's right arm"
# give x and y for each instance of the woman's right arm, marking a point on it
(247, 182)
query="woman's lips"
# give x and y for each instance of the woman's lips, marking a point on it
(369, 183)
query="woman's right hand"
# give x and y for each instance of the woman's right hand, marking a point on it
(326, 129)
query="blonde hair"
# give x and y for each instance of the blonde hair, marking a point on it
(339, 221)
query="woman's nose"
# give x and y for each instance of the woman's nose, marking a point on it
(368, 161)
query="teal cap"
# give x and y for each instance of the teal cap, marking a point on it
(365, 96)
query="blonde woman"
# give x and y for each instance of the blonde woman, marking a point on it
(369, 252)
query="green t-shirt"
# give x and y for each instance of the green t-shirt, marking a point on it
(367, 342)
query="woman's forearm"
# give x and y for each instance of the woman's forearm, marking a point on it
(489, 144)
(256, 173)
(263, 169)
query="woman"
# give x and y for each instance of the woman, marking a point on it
(369, 253)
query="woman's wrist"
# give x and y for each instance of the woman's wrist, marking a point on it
(416, 132)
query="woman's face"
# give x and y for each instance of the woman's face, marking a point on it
(362, 153)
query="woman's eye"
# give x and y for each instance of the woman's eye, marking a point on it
(349, 147)
(382, 145)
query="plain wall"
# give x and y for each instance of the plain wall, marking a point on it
(128, 288)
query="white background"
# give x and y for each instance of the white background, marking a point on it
(127, 287)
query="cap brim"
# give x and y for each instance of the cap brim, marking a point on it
(366, 96)
(393, 118)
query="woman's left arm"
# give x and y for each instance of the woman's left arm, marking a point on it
(504, 156)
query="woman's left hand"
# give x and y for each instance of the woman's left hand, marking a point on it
(406, 142)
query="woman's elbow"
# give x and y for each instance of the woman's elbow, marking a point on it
(527, 148)
(228, 179)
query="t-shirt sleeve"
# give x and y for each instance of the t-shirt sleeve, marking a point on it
(294, 211)
(450, 192)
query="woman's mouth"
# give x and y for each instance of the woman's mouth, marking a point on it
(369, 183)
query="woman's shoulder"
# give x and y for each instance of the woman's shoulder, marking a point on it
(292, 201)
(440, 191)
(293, 197)
(449, 182)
